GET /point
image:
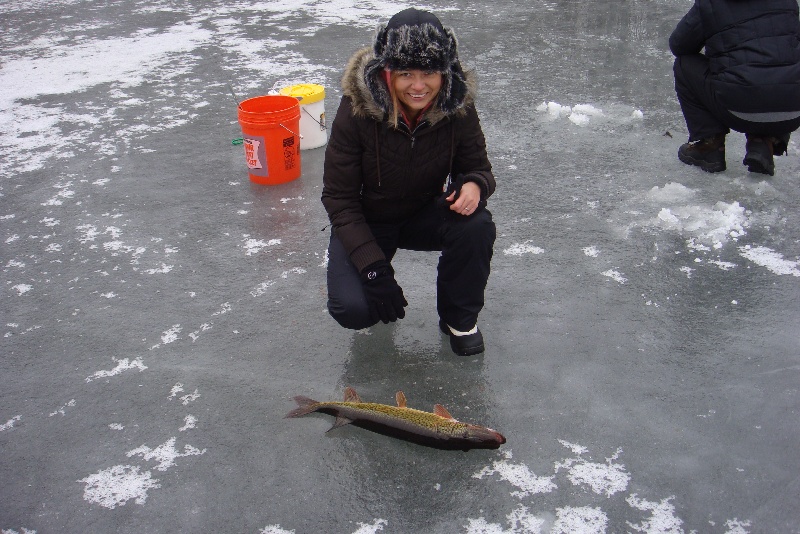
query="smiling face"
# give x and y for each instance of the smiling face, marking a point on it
(416, 89)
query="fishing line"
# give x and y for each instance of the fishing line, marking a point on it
(235, 98)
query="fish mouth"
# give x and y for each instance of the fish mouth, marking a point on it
(498, 438)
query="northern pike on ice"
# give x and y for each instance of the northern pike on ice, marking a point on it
(436, 429)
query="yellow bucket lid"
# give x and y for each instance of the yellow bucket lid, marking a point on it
(306, 93)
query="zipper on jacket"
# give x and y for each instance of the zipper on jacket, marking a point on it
(412, 133)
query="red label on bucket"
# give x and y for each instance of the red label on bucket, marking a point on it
(255, 155)
(289, 151)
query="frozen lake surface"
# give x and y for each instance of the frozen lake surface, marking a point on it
(160, 311)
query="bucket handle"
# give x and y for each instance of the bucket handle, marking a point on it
(321, 126)
(291, 131)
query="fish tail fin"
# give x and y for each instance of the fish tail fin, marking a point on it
(304, 406)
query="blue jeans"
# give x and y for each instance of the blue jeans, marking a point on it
(466, 245)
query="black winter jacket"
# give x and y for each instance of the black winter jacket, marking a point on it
(753, 48)
(374, 172)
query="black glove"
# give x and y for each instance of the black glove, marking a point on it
(384, 296)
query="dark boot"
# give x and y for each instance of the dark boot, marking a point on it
(708, 153)
(467, 345)
(780, 144)
(758, 155)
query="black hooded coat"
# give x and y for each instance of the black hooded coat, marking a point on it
(753, 47)
(375, 172)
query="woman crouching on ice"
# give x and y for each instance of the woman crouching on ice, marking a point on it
(406, 130)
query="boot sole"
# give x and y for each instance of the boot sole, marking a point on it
(759, 165)
(718, 166)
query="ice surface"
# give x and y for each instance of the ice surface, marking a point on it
(160, 311)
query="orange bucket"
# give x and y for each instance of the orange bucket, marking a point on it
(271, 131)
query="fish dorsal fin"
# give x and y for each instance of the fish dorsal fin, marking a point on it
(350, 395)
(441, 411)
(400, 397)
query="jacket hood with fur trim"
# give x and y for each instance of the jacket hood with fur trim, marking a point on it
(364, 84)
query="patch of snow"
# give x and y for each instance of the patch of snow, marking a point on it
(773, 261)
(122, 365)
(8, 425)
(519, 476)
(371, 528)
(615, 275)
(117, 485)
(165, 454)
(604, 479)
(662, 518)
(518, 249)
(189, 422)
(592, 251)
(580, 520)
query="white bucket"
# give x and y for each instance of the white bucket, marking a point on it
(312, 113)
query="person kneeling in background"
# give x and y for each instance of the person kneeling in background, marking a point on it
(406, 130)
(747, 80)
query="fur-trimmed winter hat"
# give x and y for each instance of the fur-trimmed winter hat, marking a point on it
(415, 39)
